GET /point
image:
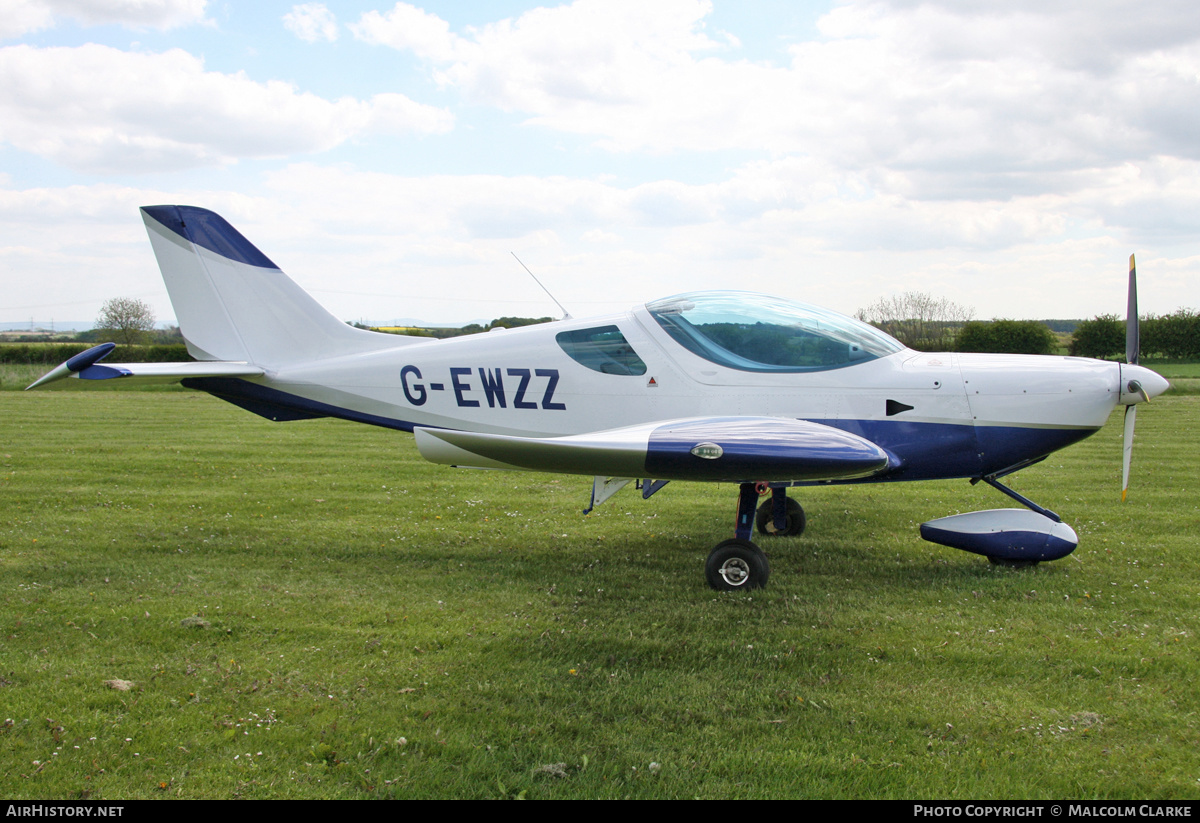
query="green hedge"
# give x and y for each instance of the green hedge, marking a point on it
(51, 354)
(1175, 336)
(1102, 336)
(1005, 337)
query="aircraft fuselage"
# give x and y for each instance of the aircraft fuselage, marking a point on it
(942, 415)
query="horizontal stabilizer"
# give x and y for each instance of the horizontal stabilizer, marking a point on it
(734, 449)
(86, 366)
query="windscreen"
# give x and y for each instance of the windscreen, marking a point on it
(755, 332)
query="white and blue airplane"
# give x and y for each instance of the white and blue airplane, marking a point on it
(733, 387)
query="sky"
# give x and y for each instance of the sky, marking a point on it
(393, 158)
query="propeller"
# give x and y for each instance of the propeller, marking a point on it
(1133, 392)
(1138, 384)
(1133, 347)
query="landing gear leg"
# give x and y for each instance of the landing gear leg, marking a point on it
(737, 563)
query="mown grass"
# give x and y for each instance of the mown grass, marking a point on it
(381, 627)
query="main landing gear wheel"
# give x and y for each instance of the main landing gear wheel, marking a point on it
(735, 565)
(764, 518)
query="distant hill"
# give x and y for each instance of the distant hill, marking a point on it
(57, 326)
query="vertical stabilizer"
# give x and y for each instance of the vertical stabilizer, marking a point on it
(233, 303)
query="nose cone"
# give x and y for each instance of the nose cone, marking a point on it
(1139, 384)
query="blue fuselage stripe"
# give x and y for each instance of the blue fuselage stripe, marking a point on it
(933, 451)
(277, 405)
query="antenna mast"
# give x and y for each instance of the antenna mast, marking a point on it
(566, 314)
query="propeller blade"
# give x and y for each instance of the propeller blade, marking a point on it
(1130, 422)
(1133, 349)
(1133, 345)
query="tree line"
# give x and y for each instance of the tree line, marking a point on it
(1175, 336)
(926, 323)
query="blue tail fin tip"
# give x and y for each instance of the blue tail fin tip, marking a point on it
(211, 231)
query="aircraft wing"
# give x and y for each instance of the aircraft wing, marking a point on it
(84, 366)
(733, 449)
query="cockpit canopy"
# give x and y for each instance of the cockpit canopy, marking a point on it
(758, 333)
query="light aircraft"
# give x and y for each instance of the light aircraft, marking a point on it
(735, 387)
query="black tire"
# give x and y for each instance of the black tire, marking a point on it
(736, 565)
(764, 518)
(1009, 563)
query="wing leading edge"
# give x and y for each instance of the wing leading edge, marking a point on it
(729, 449)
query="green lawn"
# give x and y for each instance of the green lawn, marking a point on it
(1171, 368)
(375, 626)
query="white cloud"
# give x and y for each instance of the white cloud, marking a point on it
(784, 227)
(25, 16)
(606, 51)
(1005, 156)
(407, 27)
(931, 98)
(380, 246)
(103, 110)
(312, 22)
(600, 236)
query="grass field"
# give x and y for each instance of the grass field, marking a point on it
(309, 610)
